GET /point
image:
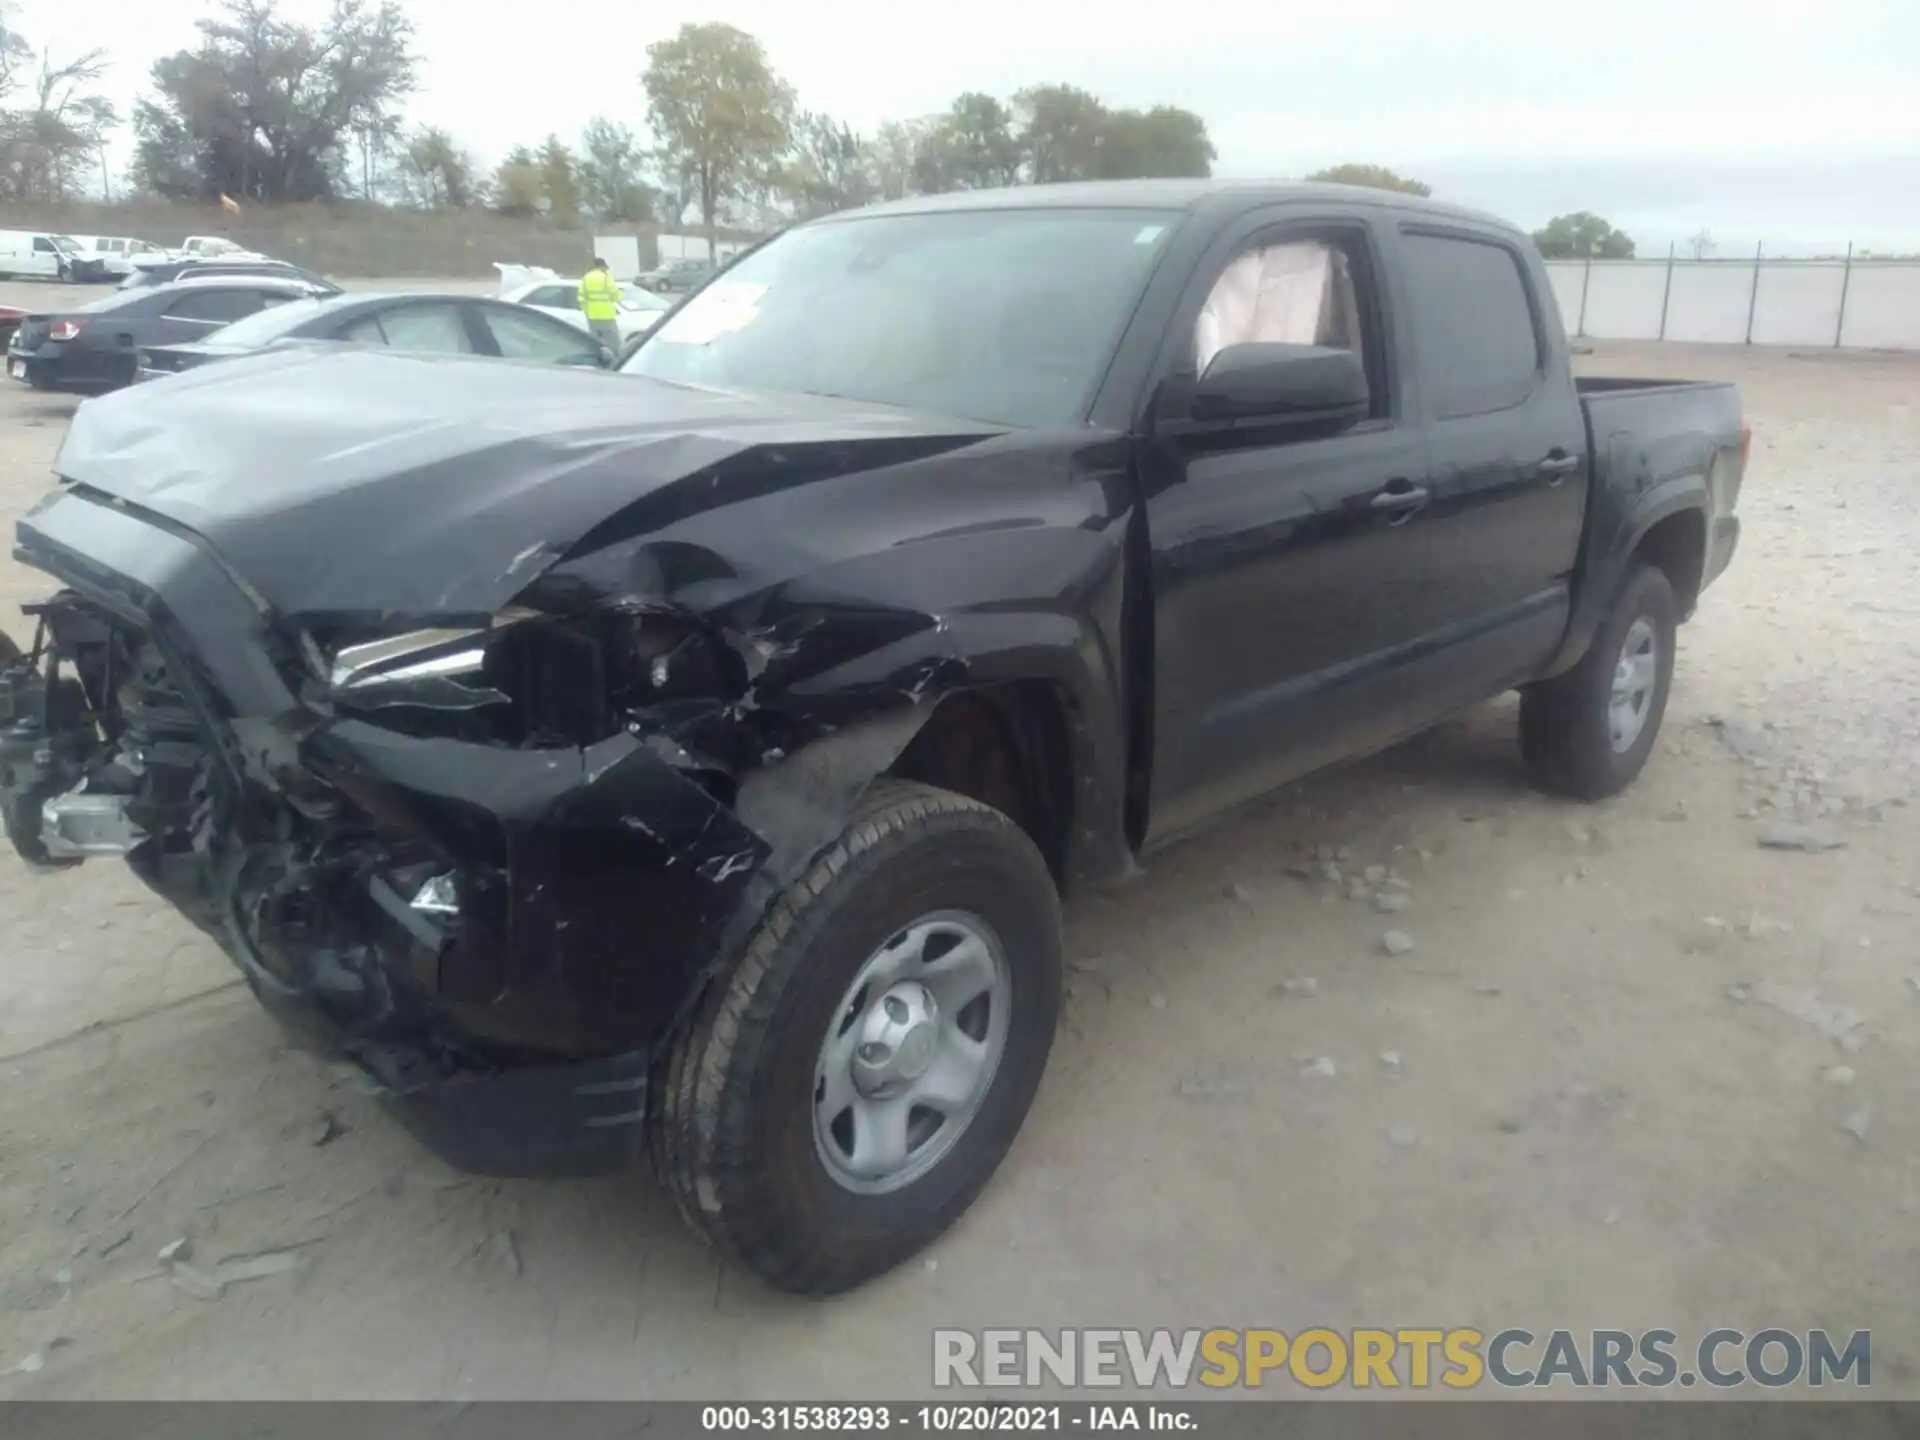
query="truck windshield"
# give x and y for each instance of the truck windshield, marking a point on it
(1006, 316)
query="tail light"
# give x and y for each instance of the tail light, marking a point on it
(64, 330)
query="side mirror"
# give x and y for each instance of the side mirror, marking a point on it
(1285, 384)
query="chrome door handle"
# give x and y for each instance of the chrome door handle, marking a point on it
(1410, 498)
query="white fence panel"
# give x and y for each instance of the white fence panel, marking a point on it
(1624, 300)
(1799, 302)
(1883, 307)
(1569, 278)
(1710, 303)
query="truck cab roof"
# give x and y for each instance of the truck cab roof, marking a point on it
(1185, 195)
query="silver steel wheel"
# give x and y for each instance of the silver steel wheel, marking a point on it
(1634, 675)
(911, 1052)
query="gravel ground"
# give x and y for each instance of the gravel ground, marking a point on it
(1593, 1092)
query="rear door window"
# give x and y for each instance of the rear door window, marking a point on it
(435, 329)
(1474, 335)
(218, 306)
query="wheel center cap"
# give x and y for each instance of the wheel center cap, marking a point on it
(897, 1037)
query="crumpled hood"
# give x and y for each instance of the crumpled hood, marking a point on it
(370, 482)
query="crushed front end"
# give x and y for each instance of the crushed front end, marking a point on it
(468, 858)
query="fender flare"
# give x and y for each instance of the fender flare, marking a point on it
(1602, 574)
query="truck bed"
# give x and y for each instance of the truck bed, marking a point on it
(1628, 385)
(1659, 443)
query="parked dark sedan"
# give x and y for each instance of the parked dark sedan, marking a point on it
(97, 346)
(430, 324)
(145, 277)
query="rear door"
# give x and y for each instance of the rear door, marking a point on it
(196, 314)
(43, 257)
(1506, 445)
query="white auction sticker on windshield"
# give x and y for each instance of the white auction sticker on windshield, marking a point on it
(723, 307)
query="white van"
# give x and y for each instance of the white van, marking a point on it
(35, 255)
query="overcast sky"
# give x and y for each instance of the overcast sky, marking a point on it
(1795, 123)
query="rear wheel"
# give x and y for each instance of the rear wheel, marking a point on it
(848, 1088)
(1588, 732)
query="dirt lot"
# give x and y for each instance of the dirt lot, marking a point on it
(1590, 1095)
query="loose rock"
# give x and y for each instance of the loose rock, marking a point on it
(1856, 1124)
(195, 1282)
(1809, 838)
(1392, 901)
(1375, 874)
(1322, 1068)
(1837, 1075)
(176, 1250)
(1835, 1021)
(1303, 986)
(242, 1268)
(1396, 942)
(1211, 1087)
(1390, 1061)
(501, 1246)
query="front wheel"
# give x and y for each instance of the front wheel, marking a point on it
(848, 1088)
(1588, 733)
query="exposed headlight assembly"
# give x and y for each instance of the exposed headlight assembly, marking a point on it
(527, 678)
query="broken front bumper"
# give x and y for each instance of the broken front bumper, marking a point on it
(506, 1011)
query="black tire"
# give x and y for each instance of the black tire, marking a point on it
(1564, 733)
(733, 1132)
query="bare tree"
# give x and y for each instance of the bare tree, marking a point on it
(1702, 246)
(44, 144)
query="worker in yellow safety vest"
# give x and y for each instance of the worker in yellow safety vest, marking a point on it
(600, 303)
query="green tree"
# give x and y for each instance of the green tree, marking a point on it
(518, 183)
(1374, 177)
(888, 158)
(436, 174)
(972, 147)
(827, 170)
(1062, 129)
(1580, 235)
(559, 181)
(722, 117)
(609, 173)
(263, 107)
(1165, 142)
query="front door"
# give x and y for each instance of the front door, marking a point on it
(1284, 569)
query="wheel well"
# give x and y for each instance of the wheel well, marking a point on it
(1005, 746)
(1678, 546)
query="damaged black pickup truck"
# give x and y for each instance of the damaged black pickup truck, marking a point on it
(689, 760)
